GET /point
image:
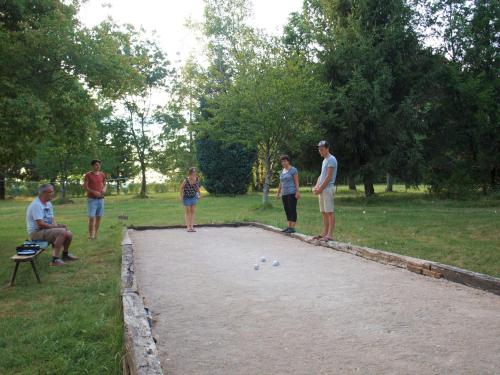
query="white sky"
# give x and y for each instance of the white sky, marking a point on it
(168, 17)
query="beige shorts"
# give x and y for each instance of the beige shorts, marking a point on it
(48, 235)
(326, 200)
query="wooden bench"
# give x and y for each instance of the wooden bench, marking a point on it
(27, 258)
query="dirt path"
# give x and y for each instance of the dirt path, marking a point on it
(319, 312)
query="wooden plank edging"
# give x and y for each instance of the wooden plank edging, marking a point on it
(416, 265)
(141, 353)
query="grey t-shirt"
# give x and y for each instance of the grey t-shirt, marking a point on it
(328, 162)
(287, 181)
(38, 211)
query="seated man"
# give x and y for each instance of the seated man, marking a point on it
(42, 226)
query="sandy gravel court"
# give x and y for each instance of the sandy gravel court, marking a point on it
(319, 312)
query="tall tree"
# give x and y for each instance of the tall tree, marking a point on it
(369, 51)
(60, 153)
(179, 118)
(142, 112)
(272, 106)
(462, 141)
(43, 47)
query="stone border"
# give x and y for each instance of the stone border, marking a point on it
(141, 353)
(416, 265)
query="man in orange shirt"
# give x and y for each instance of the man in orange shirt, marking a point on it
(95, 186)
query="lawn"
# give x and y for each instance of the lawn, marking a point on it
(71, 323)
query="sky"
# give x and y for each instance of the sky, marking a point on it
(168, 17)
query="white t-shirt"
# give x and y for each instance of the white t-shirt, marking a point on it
(38, 211)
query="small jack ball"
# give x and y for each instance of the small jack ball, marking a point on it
(263, 259)
(256, 267)
(276, 263)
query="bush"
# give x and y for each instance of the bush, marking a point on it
(452, 180)
(226, 168)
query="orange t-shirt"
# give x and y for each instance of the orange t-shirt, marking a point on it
(95, 181)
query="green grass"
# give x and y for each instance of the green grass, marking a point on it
(71, 323)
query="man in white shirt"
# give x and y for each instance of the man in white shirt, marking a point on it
(42, 226)
(325, 189)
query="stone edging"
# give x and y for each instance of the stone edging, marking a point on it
(141, 353)
(419, 266)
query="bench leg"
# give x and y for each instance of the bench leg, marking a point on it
(35, 270)
(13, 278)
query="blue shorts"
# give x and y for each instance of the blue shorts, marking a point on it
(189, 201)
(95, 207)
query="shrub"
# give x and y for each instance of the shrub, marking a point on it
(226, 168)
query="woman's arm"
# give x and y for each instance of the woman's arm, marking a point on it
(279, 191)
(182, 189)
(296, 181)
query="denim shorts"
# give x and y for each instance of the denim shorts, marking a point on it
(95, 207)
(189, 201)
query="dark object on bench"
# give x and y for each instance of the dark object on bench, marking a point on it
(27, 249)
(28, 258)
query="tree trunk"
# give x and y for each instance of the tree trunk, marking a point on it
(267, 181)
(143, 192)
(351, 183)
(388, 187)
(118, 187)
(494, 180)
(368, 183)
(2, 186)
(63, 189)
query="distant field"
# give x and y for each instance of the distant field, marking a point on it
(72, 323)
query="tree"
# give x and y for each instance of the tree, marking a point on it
(369, 52)
(265, 98)
(61, 152)
(141, 113)
(43, 47)
(226, 168)
(179, 118)
(271, 106)
(462, 141)
(113, 146)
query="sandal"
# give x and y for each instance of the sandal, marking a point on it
(326, 238)
(317, 237)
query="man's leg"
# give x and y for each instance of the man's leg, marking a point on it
(330, 210)
(331, 223)
(58, 244)
(325, 224)
(67, 241)
(91, 211)
(98, 216)
(92, 221)
(96, 225)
